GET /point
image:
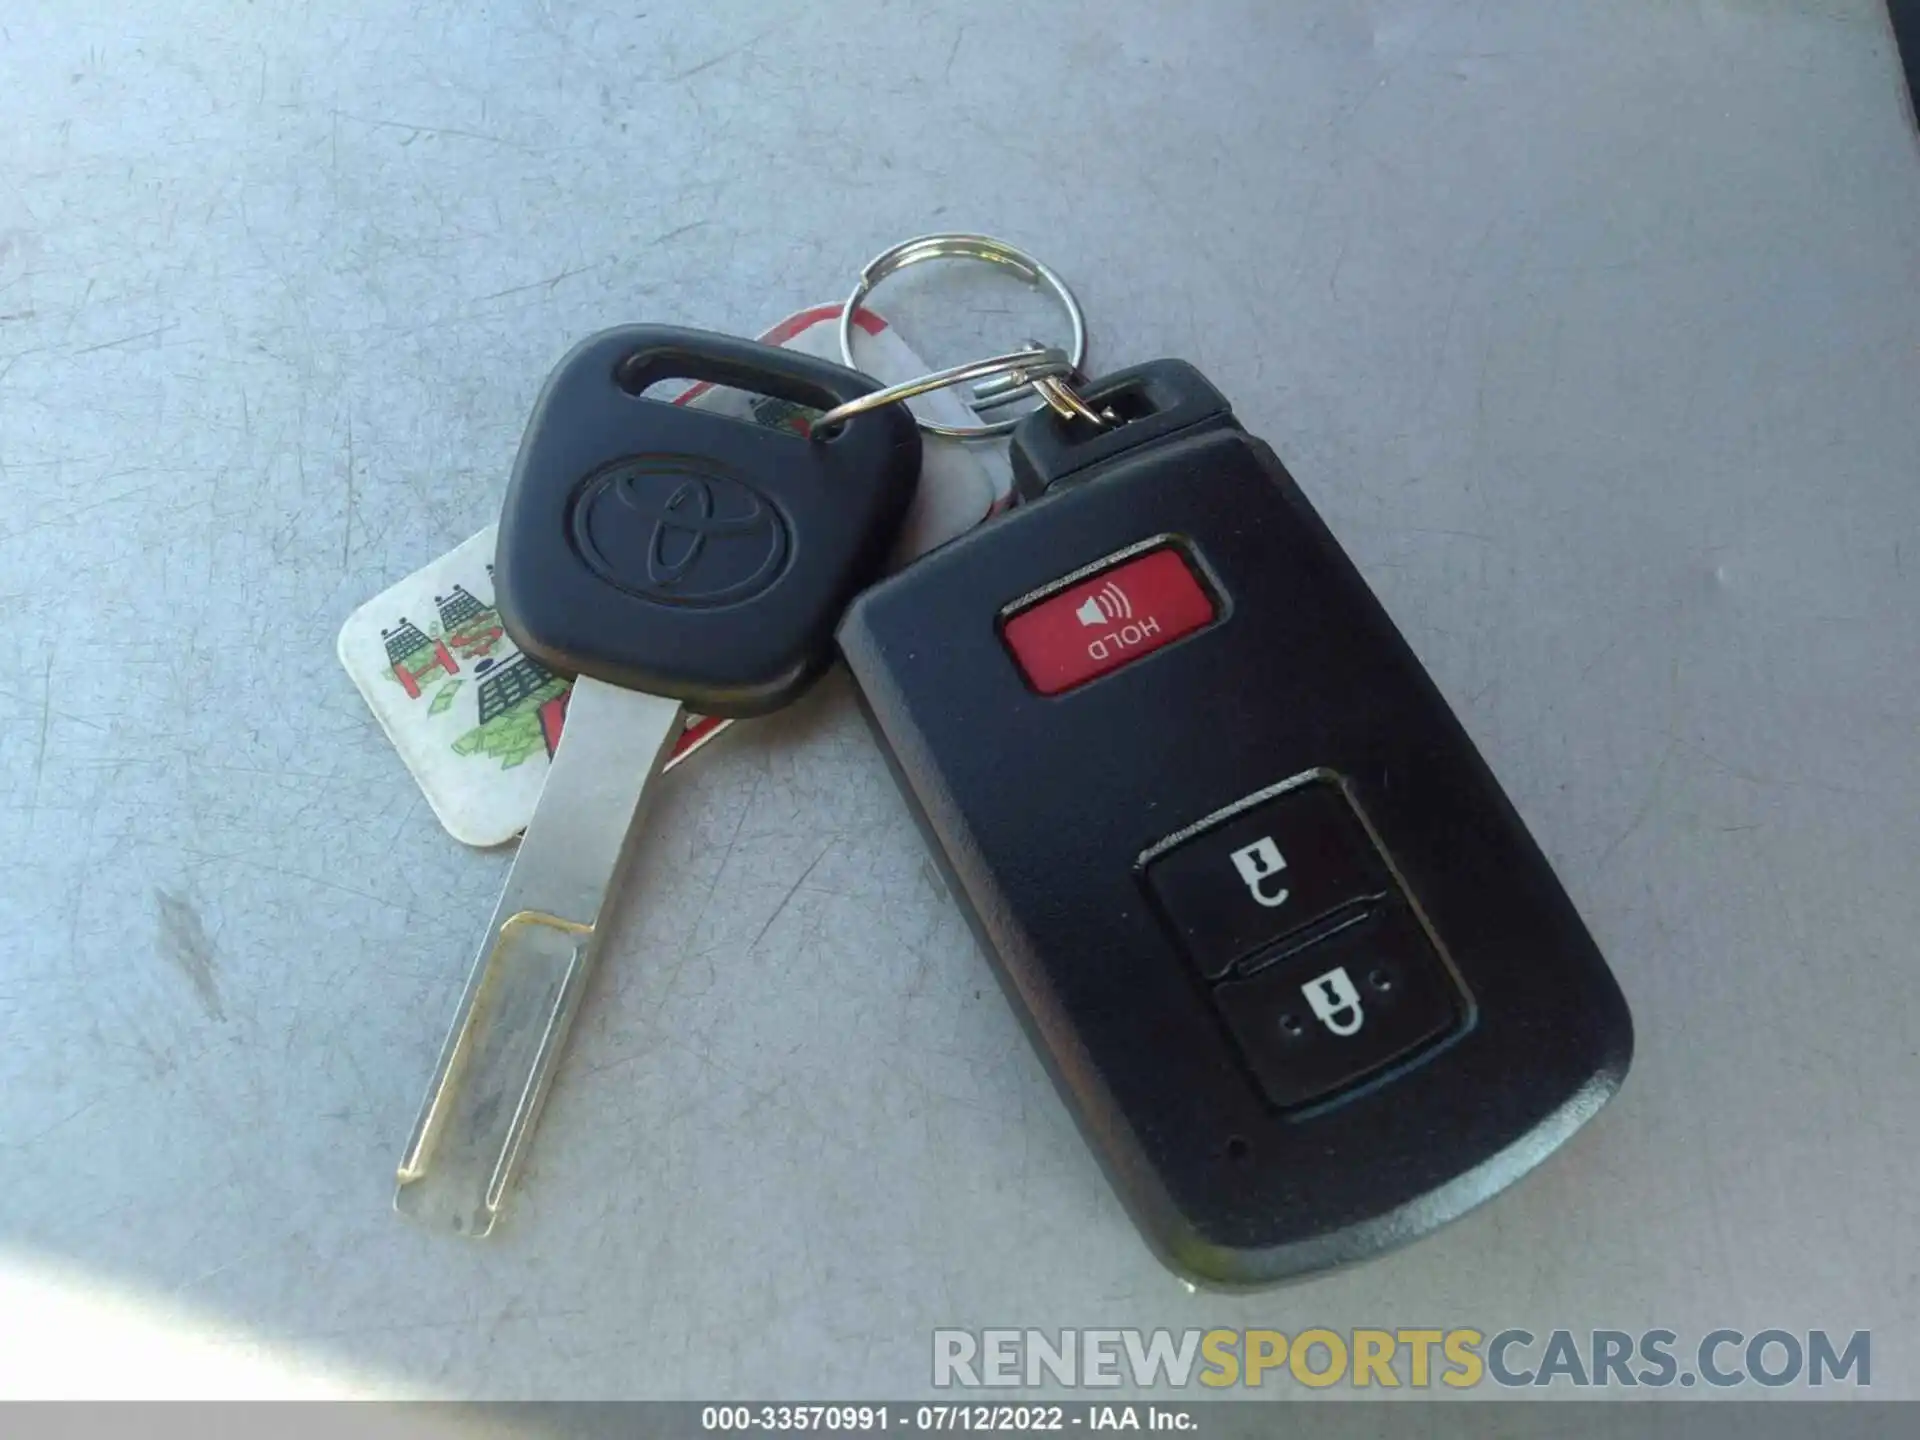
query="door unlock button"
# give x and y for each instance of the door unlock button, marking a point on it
(1259, 872)
(1258, 863)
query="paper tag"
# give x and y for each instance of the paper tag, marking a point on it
(476, 720)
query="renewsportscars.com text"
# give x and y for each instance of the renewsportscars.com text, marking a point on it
(1460, 1358)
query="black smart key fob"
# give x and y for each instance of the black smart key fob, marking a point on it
(1299, 970)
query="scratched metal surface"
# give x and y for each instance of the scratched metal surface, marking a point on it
(1592, 328)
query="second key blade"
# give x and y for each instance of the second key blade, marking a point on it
(532, 967)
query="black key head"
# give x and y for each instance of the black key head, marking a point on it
(668, 549)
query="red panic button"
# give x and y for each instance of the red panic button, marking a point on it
(1110, 620)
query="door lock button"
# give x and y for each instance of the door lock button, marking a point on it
(1335, 1011)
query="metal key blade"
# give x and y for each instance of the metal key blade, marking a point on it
(532, 968)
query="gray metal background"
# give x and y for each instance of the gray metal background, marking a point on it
(1592, 328)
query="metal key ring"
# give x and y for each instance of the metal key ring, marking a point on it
(1032, 366)
(961, 246)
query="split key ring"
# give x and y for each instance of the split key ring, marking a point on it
(1043, 369)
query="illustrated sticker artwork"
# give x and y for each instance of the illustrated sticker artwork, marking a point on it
(462, 704)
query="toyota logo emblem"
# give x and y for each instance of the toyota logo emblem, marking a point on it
(665, 529)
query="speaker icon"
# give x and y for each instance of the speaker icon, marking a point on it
(1105, 605)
